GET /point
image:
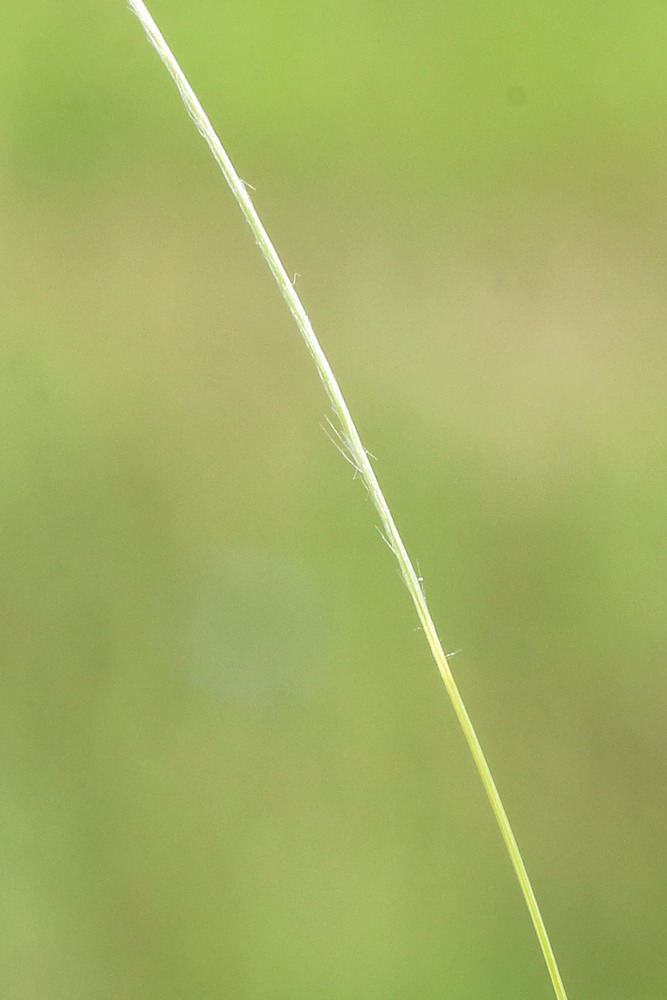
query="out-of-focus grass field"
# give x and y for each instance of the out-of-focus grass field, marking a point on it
(228, 767)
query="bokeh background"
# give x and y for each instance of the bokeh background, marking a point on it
(229, 768)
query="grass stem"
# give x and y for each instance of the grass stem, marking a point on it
(360, 459)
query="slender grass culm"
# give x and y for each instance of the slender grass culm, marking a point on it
(356, 453)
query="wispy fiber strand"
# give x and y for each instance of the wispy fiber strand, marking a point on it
(359, 457)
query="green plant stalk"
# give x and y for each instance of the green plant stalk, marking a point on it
(358, 456)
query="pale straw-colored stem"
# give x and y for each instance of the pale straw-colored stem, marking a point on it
(358, 455)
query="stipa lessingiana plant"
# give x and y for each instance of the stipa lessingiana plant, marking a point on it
(351, 444)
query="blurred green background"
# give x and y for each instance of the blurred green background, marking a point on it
(229, 768)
